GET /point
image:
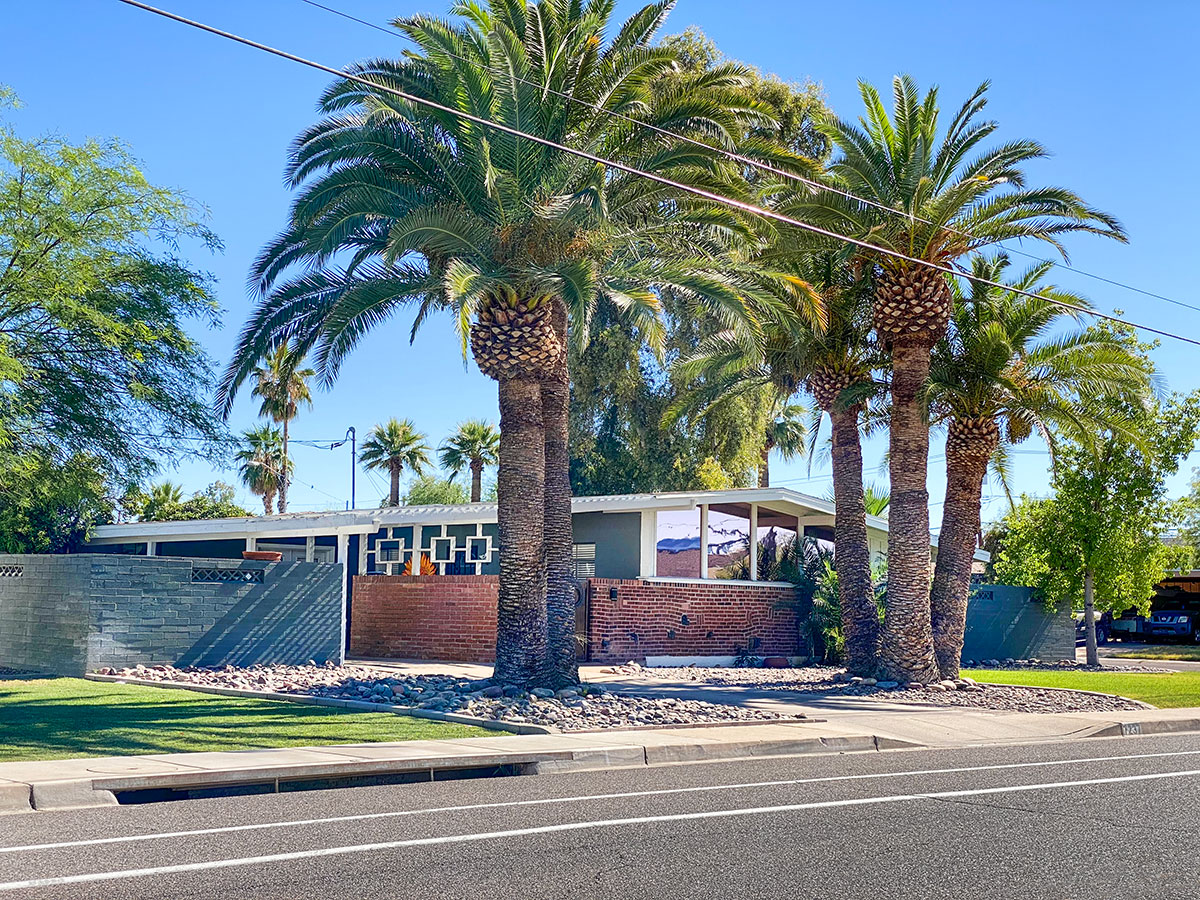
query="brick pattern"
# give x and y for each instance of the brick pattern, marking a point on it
(74, 614)
(655, 618)
(447, 617)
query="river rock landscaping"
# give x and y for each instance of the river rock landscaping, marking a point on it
(832, 681)
(581, 707)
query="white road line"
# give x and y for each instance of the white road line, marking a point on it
(568, 826)
(584, 798)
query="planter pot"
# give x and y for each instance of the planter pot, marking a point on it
(263, 555)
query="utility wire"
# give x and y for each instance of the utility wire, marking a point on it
(632, 170)
(762, 166)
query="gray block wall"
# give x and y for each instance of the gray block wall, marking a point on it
(1005, 622)
(74, 614)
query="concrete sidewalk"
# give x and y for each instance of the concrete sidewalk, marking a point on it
(82, 783)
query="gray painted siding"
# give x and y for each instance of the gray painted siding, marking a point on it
(618, 540)
(74, 614)
(1005, 622)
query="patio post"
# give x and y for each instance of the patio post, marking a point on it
(703, 540)
(754, 542)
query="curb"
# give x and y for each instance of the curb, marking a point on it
(15, 797)
(1141, 704)
(309, 700)
(1160, 726)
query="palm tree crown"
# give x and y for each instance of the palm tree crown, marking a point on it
(392, 447)
(282, 388)
(474, 445)
(261, 463)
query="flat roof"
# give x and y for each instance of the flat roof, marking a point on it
(778, 506)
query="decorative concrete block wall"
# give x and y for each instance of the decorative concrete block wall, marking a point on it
(438, 617)
(635, 619)
(75, 614)
(1005, 622)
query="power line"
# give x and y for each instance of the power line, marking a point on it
(765, 167)
(632, 170)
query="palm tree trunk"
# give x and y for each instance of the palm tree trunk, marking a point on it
(562, 657)
(268, 503)
(394, 491)
(906, 646)
(764, 467)
(852, 554)
(966, 467)
(283, 476)
(476, 480)
(520, 485)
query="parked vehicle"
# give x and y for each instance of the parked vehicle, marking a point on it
(1104, 624)
(1129, 627)
(1173, 625)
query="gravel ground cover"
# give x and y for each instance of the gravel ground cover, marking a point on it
(830, 681)
(579, 708)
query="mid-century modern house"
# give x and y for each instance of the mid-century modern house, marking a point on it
(447, 609)
(663, 578)
(615, 536)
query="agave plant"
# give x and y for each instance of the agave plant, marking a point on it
(405, 206)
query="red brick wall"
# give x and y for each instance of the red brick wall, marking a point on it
(447, 617)
(721, 618)
(453, 618)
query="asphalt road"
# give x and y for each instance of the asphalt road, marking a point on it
(1096, 818)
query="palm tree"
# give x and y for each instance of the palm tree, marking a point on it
(834, 363)
(785, 432)
(473, 446)
(392, 447)
(516, 239)
(262, 463)
(161, 500)
(996, 379)
(877, 499)
(282, 389)
(942, 198)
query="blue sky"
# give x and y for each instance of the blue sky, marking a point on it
(1109, 92)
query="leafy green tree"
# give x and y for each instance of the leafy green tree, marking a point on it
(262, 462)
(393, 447)
(1098, 542)
(474, 445)
(404, 206)
(94, 303)
(50, 507)
(430, 490)
(1006, 371)
(955, 196)
(282, 388)
(165, 503)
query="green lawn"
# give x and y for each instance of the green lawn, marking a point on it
(1173, 689)
(60, 718)
(1167, 652)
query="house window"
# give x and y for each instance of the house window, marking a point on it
(389, 551)
(584, 559)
